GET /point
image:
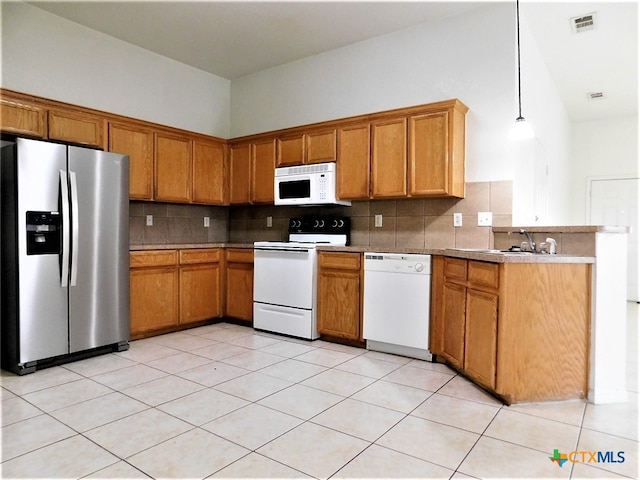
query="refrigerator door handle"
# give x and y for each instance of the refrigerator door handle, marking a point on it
(64, 201)
(74, 229)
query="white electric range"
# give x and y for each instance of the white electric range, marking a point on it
(285, 275)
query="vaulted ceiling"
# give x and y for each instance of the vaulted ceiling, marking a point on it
(235, 38)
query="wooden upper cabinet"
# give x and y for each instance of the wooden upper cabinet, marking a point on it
(263, 171)
(137, 142)
(353, 162)
(77, 127)
(389, 158)
(208, 172)
(301, 148)
(290, 150)
(240, 174)
(172, 168)
(22, 118)
(320, 146)
(429, 154)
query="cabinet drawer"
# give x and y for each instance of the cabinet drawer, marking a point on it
(199, 255)
(483, 274)
(153, 258)
(455, 269)
(240, 255)
(339, 260)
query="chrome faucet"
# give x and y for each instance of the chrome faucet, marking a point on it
(532, 244)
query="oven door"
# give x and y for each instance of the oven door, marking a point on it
(285, 276)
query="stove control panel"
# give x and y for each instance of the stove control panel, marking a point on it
(320, 224)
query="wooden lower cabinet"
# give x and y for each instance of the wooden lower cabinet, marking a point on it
(239, 284)
(173, 288)
(520, 330)
(340, 295)
(200, 282)
(481, 330)
(154, 287)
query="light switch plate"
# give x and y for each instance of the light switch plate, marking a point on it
(378, 221)
(149, 220)
(457, 219)
(269, 222)
(485, 219)
(206, 222)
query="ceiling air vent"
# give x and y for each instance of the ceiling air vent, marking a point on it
(595, 95)
(583, 23)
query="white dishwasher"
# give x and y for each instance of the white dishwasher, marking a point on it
(397, 291)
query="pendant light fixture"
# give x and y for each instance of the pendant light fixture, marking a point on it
(522, 129)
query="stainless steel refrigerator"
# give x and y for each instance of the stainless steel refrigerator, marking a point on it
(65, 253)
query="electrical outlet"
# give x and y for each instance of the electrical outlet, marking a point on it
(206, 222)
(269, 222)
(149, 220)
(485, 219)
(457, 219)
(378, 221)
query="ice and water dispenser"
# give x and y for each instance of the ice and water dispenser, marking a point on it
(43, 233)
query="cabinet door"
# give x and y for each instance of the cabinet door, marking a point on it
(240, 174)
(290, 150)
(79, 128)
(137, 142)
(453, 302)
(154, 298)
(481, 337)
(353, 162)
(239, 288)
(173, 168)
(208, 172)
(339, 295)
(22, 118)
(428, 154)
(263, 173)
(320, 146)
(199, 292)
(389, 158)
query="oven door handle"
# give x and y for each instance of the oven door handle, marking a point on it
(290, 249)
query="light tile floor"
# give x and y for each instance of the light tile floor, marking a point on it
(224, 401)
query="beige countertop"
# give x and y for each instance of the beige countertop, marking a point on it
(565, 229)
(183, 246)
(471, 254)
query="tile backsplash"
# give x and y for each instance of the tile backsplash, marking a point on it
(177, 223)
(409, 223)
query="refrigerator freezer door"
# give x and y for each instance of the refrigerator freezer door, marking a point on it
(43, 302)
(99, 300)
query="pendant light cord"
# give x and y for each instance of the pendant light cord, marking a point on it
(518, 39)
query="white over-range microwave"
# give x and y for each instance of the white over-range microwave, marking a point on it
(313, 184)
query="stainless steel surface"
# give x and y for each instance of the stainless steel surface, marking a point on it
(99, 302)
(72, 293)
(73, 191)
(42, 320)
(66, 226)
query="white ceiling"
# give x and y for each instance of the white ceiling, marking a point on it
(236, 38)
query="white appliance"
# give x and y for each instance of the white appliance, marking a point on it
(313, 184)
(397, 292)
(284, 279)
